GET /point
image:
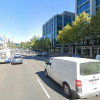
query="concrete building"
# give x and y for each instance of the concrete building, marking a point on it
(56, 23)
(90, 7)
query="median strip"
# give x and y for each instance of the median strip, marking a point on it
(43, 89)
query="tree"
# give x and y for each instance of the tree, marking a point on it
(64, 36)
(47, 43)
(33, 40)
(61, 39)
(95, 28)
(80, 28)
(67, 30)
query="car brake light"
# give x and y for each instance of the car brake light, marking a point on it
(78, 83)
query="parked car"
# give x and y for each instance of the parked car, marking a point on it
(33, 52)
(45, 54)
(38, 54)
(97, 57)
(30, 52)
(17, 59)
(78, 76)
(24, 54)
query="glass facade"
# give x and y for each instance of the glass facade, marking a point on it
(56, 23)
(97, 2)
(84, 7)
(79, 2)
(67, 19)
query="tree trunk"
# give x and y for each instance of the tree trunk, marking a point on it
(70, 50)
(86, 48)
(92, 48)
(62, 49)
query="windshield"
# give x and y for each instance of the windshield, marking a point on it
(89, 68)
(16, 57)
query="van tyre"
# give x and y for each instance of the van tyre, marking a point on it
(67, 90)
(46, 73)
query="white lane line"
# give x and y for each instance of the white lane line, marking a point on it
(26, 62)
(43, 89)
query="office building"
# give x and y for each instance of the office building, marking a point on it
(90, 7)
(56, 23)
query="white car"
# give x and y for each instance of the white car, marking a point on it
(78, 76)
(24, 54)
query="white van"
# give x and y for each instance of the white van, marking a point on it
(78, 76)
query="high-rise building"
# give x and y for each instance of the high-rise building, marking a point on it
(89, 6)
(56, 23)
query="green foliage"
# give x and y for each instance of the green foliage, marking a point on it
(42, 44)
(80, 27)
(95, 25)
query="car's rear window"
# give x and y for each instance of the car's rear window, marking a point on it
(16, 57)
(89, 68)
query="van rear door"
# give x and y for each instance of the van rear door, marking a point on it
(90, 77)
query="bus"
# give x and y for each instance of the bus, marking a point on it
(5, 55)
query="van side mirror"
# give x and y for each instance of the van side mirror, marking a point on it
(47, 63)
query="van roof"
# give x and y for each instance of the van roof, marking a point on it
(75, 59)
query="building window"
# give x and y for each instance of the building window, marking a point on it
(55, 19)
(97, 2)
(88, 5)
(59, 24)
(82, 1)
(73, 18)
(56, 29)
(55, 24)
(83, 8)
(58, 18)
(79, 11)
(79, 2)
(88, 12)
(67, 19)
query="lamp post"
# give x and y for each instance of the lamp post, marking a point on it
(6, 19)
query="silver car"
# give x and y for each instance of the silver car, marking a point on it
(17, 59)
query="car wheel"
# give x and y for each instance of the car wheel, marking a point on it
(46, 73)
(67, 90)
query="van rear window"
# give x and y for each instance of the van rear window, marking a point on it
(89, 68)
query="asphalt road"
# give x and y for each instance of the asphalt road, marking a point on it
(27, 82)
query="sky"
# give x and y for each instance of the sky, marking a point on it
(29, 16)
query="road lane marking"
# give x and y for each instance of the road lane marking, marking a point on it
(43, 89)
(26, 62)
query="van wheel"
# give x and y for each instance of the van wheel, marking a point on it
(67, 90)
(46, 74)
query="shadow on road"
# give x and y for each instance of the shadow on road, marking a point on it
(52, 84)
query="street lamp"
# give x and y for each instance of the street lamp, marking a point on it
(6, 19)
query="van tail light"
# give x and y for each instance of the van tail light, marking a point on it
(78, 83)
(78, 86)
